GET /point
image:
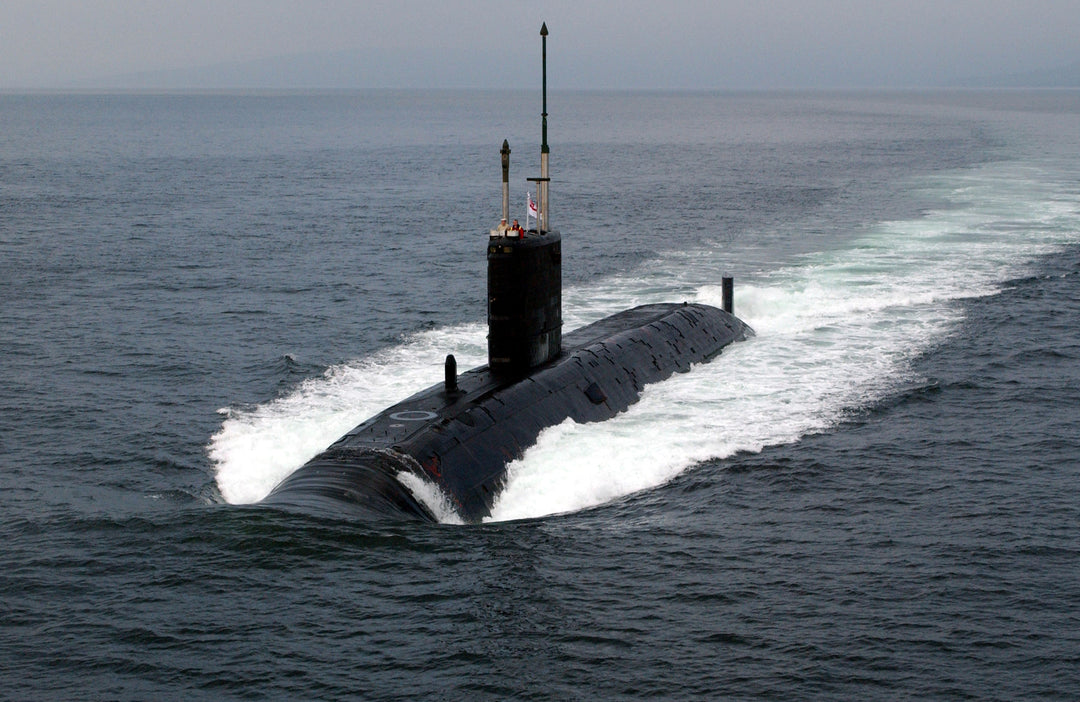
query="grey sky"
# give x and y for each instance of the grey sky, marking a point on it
(493, 43)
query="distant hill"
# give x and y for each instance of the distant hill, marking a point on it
(1061, 77)
(377, 68)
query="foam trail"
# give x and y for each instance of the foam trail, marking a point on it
(836, 331)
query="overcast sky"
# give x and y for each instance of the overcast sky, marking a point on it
(617, 44)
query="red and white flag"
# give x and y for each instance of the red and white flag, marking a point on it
(532, 205)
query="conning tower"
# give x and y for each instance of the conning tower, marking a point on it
(525, 273)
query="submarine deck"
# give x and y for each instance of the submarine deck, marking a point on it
(462, 439)
(435, 405)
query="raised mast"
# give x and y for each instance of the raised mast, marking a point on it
(544, 151)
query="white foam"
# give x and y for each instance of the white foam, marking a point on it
(258, 447)
(431, 497)
(836, 330)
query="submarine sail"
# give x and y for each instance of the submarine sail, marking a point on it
(460, 435)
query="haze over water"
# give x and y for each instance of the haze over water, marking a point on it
(873, 498)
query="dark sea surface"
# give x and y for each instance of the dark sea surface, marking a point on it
(874, 498)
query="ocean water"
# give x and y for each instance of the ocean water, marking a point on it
(874, 498)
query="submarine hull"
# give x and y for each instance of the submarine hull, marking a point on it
(461, 435)
(461, 438)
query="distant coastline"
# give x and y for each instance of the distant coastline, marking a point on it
(423, 69)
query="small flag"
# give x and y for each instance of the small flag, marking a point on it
(532, 206)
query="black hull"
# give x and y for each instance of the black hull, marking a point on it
(463, 439)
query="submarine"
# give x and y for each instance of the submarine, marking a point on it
(461, 434)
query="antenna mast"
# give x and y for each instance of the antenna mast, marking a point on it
(544, 151)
